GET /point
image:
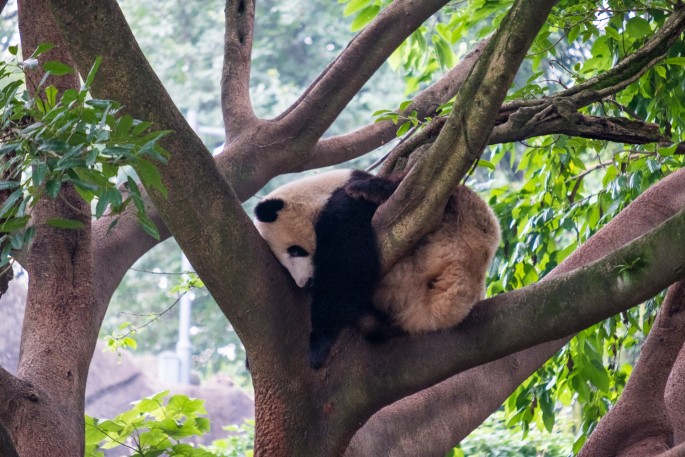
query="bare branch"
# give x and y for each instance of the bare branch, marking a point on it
(340, 81)
(563, 118)
(341, 148)
(235, 78)
(412, 211)
(638, 422)
(3, 3)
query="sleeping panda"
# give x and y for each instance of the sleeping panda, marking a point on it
(320, 229)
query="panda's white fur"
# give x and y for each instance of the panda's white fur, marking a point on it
(433, 287)
(303, 201)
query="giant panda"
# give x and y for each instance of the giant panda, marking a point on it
(319, 228)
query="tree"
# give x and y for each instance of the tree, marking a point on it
(369, 396)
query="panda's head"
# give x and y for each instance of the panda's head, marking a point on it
(286, 217)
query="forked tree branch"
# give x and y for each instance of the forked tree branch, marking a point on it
(412, 211)
(638, 422)
(341, 148)
(469, 398)
(235, 78)
(530, 316)
(327, 96)
(206, 219)
(558, 113)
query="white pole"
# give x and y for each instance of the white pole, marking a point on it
(184, 348)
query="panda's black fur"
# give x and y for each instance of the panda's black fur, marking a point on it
(347, 264)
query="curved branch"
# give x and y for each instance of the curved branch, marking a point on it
(638, 421)
(411, 212)
(470, 397)
(235, 78)
(339, 82)
(338, 149)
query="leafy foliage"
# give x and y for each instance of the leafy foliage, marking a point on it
(155, 426)
(48, 141)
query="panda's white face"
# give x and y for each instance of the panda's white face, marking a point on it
(286, 218)
(298, 261)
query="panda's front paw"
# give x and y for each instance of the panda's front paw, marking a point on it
(374, 190)
(319, 350)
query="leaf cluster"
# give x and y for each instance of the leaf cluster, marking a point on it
(51, 139)
(155, 426)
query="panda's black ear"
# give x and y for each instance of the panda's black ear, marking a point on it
(267, 210)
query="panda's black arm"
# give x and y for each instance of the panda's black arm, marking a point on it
(346, 269)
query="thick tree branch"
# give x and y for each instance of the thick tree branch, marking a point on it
(412, 211)
(523, 318)
(327, 96)
(235, 78)
(675, 398)
(466, 398)
(338, 149)
(201, 209)
(3, 3)
(638, 423)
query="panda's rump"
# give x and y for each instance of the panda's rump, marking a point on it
(437, 283)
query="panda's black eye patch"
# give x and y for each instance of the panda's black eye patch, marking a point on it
(267, 210)
(297, 251)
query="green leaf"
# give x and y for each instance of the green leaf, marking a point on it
(13, 50)
(13, 224)
(4, 185)
(57, 68)
(92, 72)
(41, 49)
(638, 27)
(62, 223)
(486, 164)
(354, 6)
(148, 225)
(51, 96)
(675, 61)
(150, 176)
(52, 187)
(364, 17)
(613, 33)
(11, 201)
(404, 128)
(445, 56)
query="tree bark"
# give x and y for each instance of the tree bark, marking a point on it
(638, 425)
